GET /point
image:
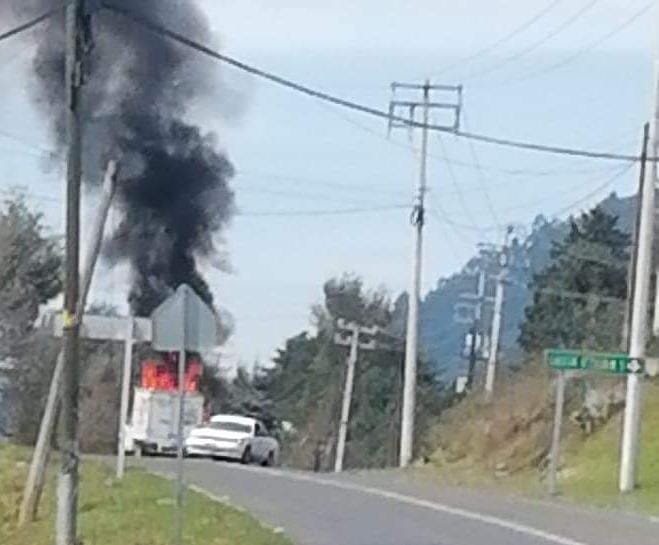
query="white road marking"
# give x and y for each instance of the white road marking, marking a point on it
(417, 502)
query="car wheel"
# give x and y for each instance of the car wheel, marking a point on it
(246, 458)
(270, 460)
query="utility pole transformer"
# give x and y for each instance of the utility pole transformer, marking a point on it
(67, 486)
(417, 220)
(639, 309)
(354, 343)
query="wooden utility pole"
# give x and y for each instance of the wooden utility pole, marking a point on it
(67, 485)
(36, 474)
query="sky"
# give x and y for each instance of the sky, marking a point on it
(570, 72)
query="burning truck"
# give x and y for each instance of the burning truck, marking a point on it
(153, 425)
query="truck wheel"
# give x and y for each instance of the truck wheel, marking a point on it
(246, 457)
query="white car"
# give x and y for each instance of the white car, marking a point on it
(234, 437)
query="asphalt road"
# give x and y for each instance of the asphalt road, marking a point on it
(399, 508)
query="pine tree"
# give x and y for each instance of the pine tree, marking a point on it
(578, 299)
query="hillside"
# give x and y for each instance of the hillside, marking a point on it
(505, 444)
(442, 336)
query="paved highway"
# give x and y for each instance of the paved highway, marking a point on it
(399, 508)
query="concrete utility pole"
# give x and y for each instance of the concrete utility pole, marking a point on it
(67, 485)
(477, 337)
(639, 311)
(125, 393)
(495, 335)
(495, 332)
(417, 219)
(626, 326)
(354, 330)
(36, 474)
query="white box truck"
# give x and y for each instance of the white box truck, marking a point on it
(152, 428)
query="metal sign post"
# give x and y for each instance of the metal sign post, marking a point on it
(575, 361)
(555, 452)
(183, 323)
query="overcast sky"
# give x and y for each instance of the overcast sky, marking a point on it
(580, 75)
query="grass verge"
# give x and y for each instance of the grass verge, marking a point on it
(589, 469)
(591, 466)
(138, 510)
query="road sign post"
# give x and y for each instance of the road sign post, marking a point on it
(575, 361)
(556, 433)
(183, 323)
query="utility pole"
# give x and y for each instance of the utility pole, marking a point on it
(67, 486)
(495, 335)
(417, 220)
(355, 330)
(477, 338)
(37, 471)
(626, 326)
(125, 392)
(639, 309)
(495, 332)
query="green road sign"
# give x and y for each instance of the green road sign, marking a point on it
(578, 360)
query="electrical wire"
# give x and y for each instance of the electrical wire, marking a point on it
(592, 45)
(464, 164)
(535, 45)
(592, 193)
(25, 142)
(319, 182)
(481, 176)
(32, 23)
(456, 185)
(616, 176)
(505, 39)
(485, 228)
(528, 146)
(246, 213)
(322, 212)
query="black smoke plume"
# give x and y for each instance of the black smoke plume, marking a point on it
(174, 191)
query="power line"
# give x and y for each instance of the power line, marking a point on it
(24, 141)
(506, 38)
(458, 162)
(483, 228)
(32, 23)
(619, 172)
(316, 181)
(528, 146)
(593, 192)
(322, 212)
(535, 45)
(592, 45)
(456, 185)
(481, 176)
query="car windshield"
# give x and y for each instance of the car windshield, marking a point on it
(230, 426)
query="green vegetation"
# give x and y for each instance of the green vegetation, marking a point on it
(135, 511)
(305, 385)
(591, 466)
(578, 298)
(507, 450)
